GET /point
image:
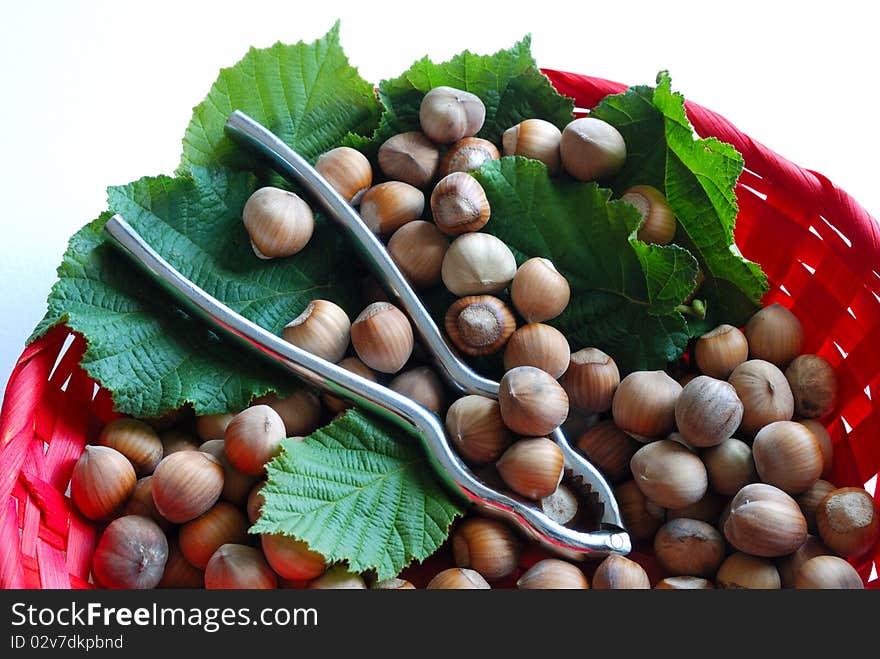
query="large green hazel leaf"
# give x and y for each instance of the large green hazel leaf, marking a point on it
(698, 177)
(307, 94)
(141, 346)
(358, 491)
(625, 294)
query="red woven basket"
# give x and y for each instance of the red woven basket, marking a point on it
(819, 248)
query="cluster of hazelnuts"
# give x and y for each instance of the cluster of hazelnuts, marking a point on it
(682, 477)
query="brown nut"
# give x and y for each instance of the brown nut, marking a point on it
(720, 351)
(479, 324)
(764, 392)
(468, 155)
(477, 431)
(532, 467)
(418, 249)
(532, 402)
(619, 573)
(708, 411)
(323, 329)
(300, 411)
(644, 403)
(591, 380)
(688, 546)
(458, 578)
(669, 474)
(788, 456)
(186, 484)
(538, 291)
(641, 517)
(765, 521)
(101, 482)
(487, 546)
(813, 385)
(730, 466)
(136, 441)
(553, 574)
(538, 345)
(422, 385)
(810, 499)
(828, 572)
(382, 337)
(253, 438)
(201, 537)
(741, 570)
(409, 157)
(179, 572)
(610, 449)
(239, 567)
(657, 219)
(790, 565)
(848, 521)
(591, 149)
(348, 171)
(291, 558)
(775, 335)
(131, 553)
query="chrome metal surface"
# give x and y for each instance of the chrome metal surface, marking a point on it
(393, 407)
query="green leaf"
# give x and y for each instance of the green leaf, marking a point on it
(358, 491)
(624, 293)
(508, 82)
(307, 94)
(698, 177)
(150, 355)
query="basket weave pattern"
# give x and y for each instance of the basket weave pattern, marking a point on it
(819, 248)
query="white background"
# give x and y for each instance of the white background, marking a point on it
(99, 93)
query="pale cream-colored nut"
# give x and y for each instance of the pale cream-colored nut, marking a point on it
(477, 264)
(591, 149)
(561, 506)
(684, 583)
(447, 114)
(278, 222)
